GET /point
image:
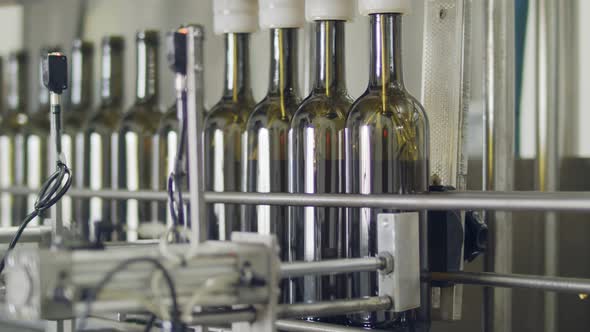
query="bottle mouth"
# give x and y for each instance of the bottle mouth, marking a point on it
(113, 42)
(148, 36)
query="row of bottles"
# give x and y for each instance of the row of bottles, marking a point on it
(324, 144)
(107, 147)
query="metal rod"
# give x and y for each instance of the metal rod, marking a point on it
(317, 309)
(552, 284)
(226, 317)
(298, 325)
(498, 156)
(300, 269)
(336, 307)
(31, 234)
(468, 200)
(195, 115)
(547, 134)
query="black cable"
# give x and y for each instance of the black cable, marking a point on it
(150, 323)
(176, 177)
(50, 193)
(92, 296)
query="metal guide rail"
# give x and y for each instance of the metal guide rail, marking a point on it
(466, 200)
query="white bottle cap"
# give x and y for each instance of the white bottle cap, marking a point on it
(235, 16)
(368, 7)
(281, 14)
(321, 10)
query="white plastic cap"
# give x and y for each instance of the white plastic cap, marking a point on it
(235, 16)
(368, 7)
(281, 14)
(320, 10)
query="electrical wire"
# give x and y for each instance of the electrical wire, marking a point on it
(176, 178)
(150, 323)
(51, 192)
(92, 296)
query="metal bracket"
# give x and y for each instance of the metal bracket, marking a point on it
(266, 315)
(398, 242)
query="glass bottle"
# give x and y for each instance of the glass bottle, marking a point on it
(224, 127)
(267, 131)
(13, 147)
(316, 148)
(39, 159)
(74, 143)
(100, 128)
(387, 132)
(139, 156)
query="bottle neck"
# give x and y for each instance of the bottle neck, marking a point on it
(17, 88)
(43, 92)
(237, 67)
(329, 58)
(283, 62)
(147, 72)
(81, 92)
(111, 80)
(386, 53)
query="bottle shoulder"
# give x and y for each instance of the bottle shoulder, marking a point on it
(39, 122)
(322, 108)
(15, 122)
(270, 111)
(142, 118)
(396, 103)
(104, 119)
(228, 112)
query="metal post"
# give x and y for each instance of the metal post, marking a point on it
(195, 112)
(499, 110)
(547, 170)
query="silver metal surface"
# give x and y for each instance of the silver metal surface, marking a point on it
(501, 201)
(303, 326)
(398, 234)
(468, 200)
(40, 234)
(547, 133)
(498, 156)
(335, 307)
(195, 114)
(56, 155)
(299, 269)
(33, 277)
(551, 284)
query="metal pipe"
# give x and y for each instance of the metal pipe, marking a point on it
(300, 269)
(468, 200)
(336, 307)
(547, 129)
(31, 234)
(195, 117)
(498, 156)
(227, 317)
(552, 284)
(303, 326)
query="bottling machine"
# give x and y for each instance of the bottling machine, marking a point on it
(313, 214)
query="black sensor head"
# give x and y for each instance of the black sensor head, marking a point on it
(177, 50)
(55, 72)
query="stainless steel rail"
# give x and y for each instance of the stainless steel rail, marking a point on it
(300, 269)
(303, 326)
(317, 309)
(335, 307)
(499, 201)
(552, 284)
